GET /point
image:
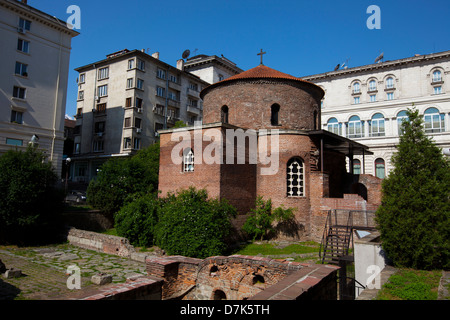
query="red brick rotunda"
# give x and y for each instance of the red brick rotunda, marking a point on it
(307, 166)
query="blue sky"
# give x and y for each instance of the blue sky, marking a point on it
(301, 37)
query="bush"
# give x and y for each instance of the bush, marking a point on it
(119, 180)
(30, 203)
(192, 225)
(414, 217)
(136, 221)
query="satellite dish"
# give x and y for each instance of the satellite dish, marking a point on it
(186, 54)
(337, 67)
(379, 58)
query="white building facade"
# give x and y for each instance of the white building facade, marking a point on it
(368, 103)
(35, 53)
(123, 101)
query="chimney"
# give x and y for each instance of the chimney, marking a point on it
(180, 64)
(155, 55)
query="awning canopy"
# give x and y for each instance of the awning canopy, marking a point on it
(332, 141)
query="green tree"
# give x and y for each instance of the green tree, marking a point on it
(30, 202)
(413, 218)
(192, 225)
(119, 180)
(261, 221)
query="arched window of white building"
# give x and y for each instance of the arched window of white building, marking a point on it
(380, 168)
(434, 121)
(334, 126)
(401, 116)
(377, 127)
(356, 166)
(372, 85)
(355, 127)
(437, 76)
(356, 87)
(390, 83)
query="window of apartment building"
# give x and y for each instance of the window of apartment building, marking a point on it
(334, 126)
(434, 121)
(14, 142)
(81, 95)
(137, 144)
(174, 95)
(221, 77)
(380, 170)
(23, 46)
(160, 73)
(103, 91)
(127, 143)
(16, 117)
(141, 65)
(82, 77)
(172, 113)
(158, 126)
(437, 90)
(128, 102)
(97, 146)
(24, 24)
(295, 178)
(130, 64)
(390, 96)
(159, 109)
(100, 127)
(355, 127)
(138, 123)
(101, 107)
(356, 87)
(77, 148)
(188, 160)
(376, 125)
(173, 78)
(192, 103)
(140, 84)
(356, 166)
(127, 123)
(79, 112)
(21, 69)
(139, 103)
(401, 116)
(437, 76)
(390, 83)
(372, 85)
(373, 98)
(161, 92)
(130, 83)
(19, 92)
(193, 86)
(356, 100)
(103, 73)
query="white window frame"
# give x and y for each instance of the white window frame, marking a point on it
(23, 45)
(433, 121)
(103, 73)
(295, 178)
(188, 160)
(140, 84)
(355, 128)
(377, 126)
(103, 90)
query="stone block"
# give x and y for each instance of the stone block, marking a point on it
(101, 279)
(13, 273)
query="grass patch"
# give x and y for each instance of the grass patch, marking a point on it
(267, 249)
(111, 232)
(410, 284)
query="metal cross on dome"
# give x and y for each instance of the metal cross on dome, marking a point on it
(261, 54)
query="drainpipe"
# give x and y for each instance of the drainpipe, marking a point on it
(56, 98)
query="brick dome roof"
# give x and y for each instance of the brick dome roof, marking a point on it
(259, 72)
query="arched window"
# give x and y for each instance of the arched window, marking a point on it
(295, 178)
(377, 126)
(380, 170)
(355, 127)
(224, 114)
(356, 87)
(188, 160)
(275, 109)
(356, 166)
(437, 76)
(390, 83)
(372, 85)
(434, 121)
(334, 126)
(401, 116)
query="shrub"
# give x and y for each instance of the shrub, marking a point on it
(136, 220)
(414, 216)
(192, 225)
(260, 223)
(30, 202)
(119, 180)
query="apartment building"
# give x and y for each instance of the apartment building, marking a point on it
(123, 101)
(369, 103)
(35, 53)
(212, 69)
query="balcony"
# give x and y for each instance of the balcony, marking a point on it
(193, 110)
(193, 93)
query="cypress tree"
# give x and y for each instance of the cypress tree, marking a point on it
(413, 218)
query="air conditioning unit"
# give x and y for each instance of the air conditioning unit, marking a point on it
(154, 109)
(139, 110)
(169, 118)
(138, 130)
(156, 134)
(97, 98)
(21, 30)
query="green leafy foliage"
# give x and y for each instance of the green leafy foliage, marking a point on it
(260, 223)
(137, 220)
(30, 203)
(119, 180)
(192, 225)
(413, 218)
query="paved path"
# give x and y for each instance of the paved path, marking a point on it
(45, 268)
